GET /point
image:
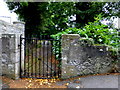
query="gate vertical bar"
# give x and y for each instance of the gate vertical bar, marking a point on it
(25, 57)
(27, 46)
(47, 55)
(20, 56)
(51, 58)
(32, 57)
(43, 57)
(55, 58)
(40, 59)
(36, 57)
(59, 66)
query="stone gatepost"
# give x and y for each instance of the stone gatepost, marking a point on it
(0, 54)
(10, 48)
(20, 25)
(68, 69)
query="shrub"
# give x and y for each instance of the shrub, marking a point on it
(100, 33)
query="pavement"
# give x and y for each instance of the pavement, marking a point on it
(102, 81)
(99, 81)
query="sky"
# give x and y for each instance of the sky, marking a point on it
(5, 13)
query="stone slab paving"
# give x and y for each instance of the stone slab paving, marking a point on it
(102, 81)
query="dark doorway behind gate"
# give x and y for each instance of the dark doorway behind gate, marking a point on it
(42, 57)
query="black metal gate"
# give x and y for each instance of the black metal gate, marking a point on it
(42, 57)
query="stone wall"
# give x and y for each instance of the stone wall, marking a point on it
(79, 58)
(9, 48)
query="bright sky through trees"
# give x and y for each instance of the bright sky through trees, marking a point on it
(5, 13)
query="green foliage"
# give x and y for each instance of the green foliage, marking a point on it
(86, 11)
(97, 32)
(53, 17)
(59, 15)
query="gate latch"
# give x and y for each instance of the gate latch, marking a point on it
(39, 59)
(19, 45)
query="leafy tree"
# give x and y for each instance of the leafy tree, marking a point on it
(86, 11)
(51, 18)
(31, 13)
(60, 14)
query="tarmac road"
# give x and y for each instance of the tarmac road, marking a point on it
(102, 81)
